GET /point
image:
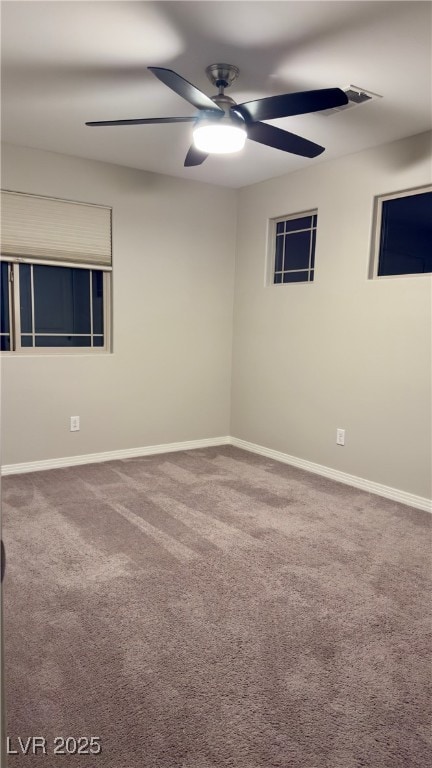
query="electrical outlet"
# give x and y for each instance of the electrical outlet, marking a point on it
(340, 437)
(74, 423)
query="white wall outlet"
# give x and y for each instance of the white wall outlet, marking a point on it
(74, 423)
(340, 437)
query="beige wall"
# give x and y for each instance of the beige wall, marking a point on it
(168, 379)
(344, 351)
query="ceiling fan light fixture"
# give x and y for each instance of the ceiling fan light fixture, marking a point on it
(219, 138)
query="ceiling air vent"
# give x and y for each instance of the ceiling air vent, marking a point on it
(356, 96)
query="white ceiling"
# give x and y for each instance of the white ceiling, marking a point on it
(67, 62)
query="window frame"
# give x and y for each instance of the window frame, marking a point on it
(271, 248)
(15, 314)
(376, 232)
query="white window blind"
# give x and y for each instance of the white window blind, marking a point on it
(50, 230)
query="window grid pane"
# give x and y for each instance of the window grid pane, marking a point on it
(298, 224)
(4, 307)
(61, 300)
(97, 291)
(26, 291)
(68, 304)
(62, 341)
(280, 240)
(301, 276)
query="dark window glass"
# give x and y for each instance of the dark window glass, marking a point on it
(4, 298)
(297, 250)
(280, 227)
(63, 341)
(313, 248)
(296, 277)
(297, 255)
(61, 300)
(293, 224)
(279, 253)
(98, 341)
(26, 341)
(4, 343)
(97, 297)
(25, 298)
(406, 235)
(278, 278)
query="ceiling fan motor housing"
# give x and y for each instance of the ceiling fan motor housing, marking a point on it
(222, 75)
(228, 117)
(228, 105)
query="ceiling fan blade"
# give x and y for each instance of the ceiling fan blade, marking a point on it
(194, 157)
(289, 104)
(184, 89)
(287, 142)
(144, 121)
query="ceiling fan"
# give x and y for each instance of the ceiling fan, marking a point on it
(222, 126)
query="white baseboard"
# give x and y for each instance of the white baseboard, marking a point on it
(125, 453)
(419, 502)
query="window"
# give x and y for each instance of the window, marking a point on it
(53, 307)
(293, 248)
(55, 275)
(403, 233)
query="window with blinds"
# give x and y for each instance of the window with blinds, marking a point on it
(55, 278)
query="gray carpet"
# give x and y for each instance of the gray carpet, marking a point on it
(215, 608)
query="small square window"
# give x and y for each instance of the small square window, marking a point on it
(403, 234)
(293, 248)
